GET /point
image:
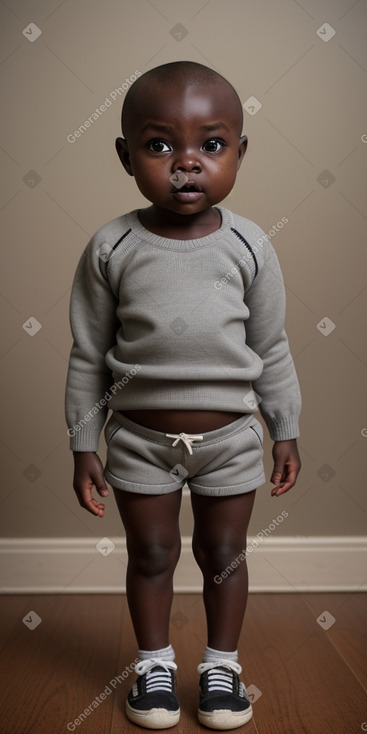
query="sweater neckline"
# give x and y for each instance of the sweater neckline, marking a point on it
(165, 242)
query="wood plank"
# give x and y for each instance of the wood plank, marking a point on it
(53, 672)
(311, 679)
(12, 609)
(306, 686)
(349, 632)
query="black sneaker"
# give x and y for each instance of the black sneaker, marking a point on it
(152, 700)
(224, 703)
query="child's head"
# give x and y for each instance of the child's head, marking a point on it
(182, 125)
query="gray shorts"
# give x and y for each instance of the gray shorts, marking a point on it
(217, 463)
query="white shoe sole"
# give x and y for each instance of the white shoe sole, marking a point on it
(224, 718)
(154, 718)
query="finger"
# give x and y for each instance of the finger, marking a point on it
(286, 485)
(88, 503)
(278, 476)
(96, 508)
(102, 488)
(279, 492)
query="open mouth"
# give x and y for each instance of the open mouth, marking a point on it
(189, 187)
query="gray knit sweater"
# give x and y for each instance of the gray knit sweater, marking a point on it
(179, 324)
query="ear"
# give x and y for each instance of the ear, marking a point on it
(123, 154)
(241, 150)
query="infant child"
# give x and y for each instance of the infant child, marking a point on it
(177, 314)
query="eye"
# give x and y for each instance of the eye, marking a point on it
(158, 146)
(213, 145)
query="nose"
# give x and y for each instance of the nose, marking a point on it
(187, 161)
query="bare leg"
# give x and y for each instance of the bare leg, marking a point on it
(154, 545)
(219, 538)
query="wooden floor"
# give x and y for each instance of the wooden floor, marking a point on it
(303, 678)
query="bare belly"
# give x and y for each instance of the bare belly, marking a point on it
(186, 421)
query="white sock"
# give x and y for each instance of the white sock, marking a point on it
(211, 656)
(166, 653)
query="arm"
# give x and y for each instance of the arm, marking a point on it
(277, 387)
(94, 325)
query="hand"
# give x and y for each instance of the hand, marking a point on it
(286, 466)
(88, 473)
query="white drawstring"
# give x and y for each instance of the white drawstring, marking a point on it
(186, 438)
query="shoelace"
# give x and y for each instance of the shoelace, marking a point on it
(187, 439)
(220, 680)
(156, 680)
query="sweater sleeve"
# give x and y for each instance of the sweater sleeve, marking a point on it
(277, 388)
(94, 325)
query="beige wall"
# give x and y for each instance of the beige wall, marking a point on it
(313, 119)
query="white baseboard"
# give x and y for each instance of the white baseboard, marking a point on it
(76, 566)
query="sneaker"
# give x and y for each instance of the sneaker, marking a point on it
(152, 700)
(224, 703)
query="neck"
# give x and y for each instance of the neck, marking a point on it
(178, 226)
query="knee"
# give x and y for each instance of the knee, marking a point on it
(154, 559)
(217, 557)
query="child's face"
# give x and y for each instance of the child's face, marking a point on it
(194, 130)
